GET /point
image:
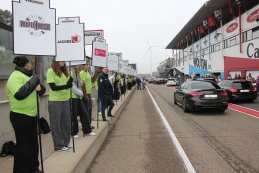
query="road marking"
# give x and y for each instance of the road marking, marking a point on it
(251, 112)
(187, 164)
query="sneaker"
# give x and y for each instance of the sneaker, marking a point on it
(92, 127)
(69, 146)
(76, 136)
(63, 149)
(111, 115)
(90, 134)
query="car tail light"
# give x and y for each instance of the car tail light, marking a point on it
(224, 94)
(195, 94)
(233, 90)
(254, 89)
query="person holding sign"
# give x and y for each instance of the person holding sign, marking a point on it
(21, 89)
(105, 92)
(78, 107)
(87, 81)
(59, 109)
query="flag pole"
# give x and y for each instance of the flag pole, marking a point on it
(209, 43)
(240, 28)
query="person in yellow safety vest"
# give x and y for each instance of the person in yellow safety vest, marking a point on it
(60, 82)
(87, 81)
(78, 107)
(21, 89)
(130, 81)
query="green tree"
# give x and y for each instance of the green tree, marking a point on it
(6, 17)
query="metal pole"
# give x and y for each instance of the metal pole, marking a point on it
(98, 110)
(38, 116)
(70, 106)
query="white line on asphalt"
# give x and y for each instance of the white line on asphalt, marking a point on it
(187, 164)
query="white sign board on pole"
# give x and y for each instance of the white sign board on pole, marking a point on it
(90, 35)
(72, 63)
(99, 53)
(34, 28)
(113, 62)
(70, 39)
(120, 64)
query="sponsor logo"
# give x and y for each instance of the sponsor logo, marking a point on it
(251, 51)
(67, 20)
(232, 27)
(35, 25)
(100, 52)
(200, 63)
(92, 34)
(35, 2)
(74, 39)
(253, 16)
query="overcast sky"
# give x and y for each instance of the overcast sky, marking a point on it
(129, 24)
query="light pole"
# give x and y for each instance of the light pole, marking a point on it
(150, 61)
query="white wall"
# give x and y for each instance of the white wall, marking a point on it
(217, 58)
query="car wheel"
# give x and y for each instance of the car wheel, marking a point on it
(185, 108)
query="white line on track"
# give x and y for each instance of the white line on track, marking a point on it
(187, 164)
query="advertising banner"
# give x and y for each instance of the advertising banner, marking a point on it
(99, 52)
(120, 63)
(70, 39)
(34, 28)
(125, 66)
(90, 35)
(113, 61)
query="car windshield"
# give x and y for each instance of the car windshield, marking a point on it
(171, 79)
(242, 85)
(204, 85)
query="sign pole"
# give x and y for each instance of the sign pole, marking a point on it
(38, 116)
(70, 108)
(97, 111)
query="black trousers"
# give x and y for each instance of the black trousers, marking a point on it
(139, 86)
(88, 105)
(106, 102)
(78, 108)
(26, 149)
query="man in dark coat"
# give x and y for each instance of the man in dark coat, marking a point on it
(138, 80)
(105, 92)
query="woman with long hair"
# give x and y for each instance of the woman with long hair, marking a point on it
(59, 110)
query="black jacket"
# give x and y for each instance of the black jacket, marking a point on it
(29, 86)
(104, 85)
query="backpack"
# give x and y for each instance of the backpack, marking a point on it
(8, 149)
(44, 126)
